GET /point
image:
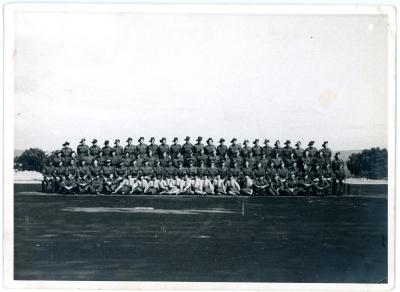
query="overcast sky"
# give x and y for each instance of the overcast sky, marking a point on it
(108, 76)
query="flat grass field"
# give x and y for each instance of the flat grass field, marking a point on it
(190, 238)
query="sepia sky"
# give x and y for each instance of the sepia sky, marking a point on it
(114, 75)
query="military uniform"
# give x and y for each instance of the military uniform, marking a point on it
(169, 171)
(66, 151)
(181, 171)
(95, 170)
(298, 153)
(233, 150)
(198, 147)
(286, 152)
(134, 171)
(107, 170)
(118, 150)
(213, 159)
(201, 171)
(258, 172)
(96, 186)
(245, 151)
(187, 149)
(127, 160)
(336, 163)
(223, 171)
(82, 149)
(312, 151)
(212, 172)
(141, 150)
(121, 171)
(326, 153)
(164, 161)
(147, 170)
(209, 149)
(131, 149)
(94, 150)
(153, 148)
(162, 148)
(177, 160)
(235, 171)
(158, 171)
(106, 150)
(247, 171)
(174, 150)
(257, 152)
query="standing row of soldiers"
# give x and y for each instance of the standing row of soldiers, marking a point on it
(259, 169)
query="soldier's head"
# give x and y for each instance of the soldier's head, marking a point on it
(266, 142)
(271, 164)
(305, 166)
(113, 153)
(321, 154)
(259, 165)
(73, 154)
(277, 155)
(201, 151)
(212, 164)
(218, 176)
(134, 162)
(191, 162)
(210, 141)
(108, 162)
(282, 164)
(246, 163)
(341, 166)
(223, 163)
(317, 166)
(152, 140)
(214, 151)
(127, 154)
(287, 143)
(292, 155)
(100, 153)
(94, 142)
(294, 164)
(157, 163)
(141, 140)
(201, 162)
(163, 140)
(70, 176)
(222, 141)
(82, 142)
(246, 142)
(72, 162)
(234, 141)
(95, 162)
(106, 143)
(83, 162)
(146, 163)
(116, 142)
(50, 163)
(292, 175)
(256, 142)
(277, 143)
(175, 141)
(306, 153)
(66, 144)
(298, 144)
(311, 143)
(234, 163)
(129, 176)
(60, 163)
(111, 175)
(58, 153)
(327, 165)
(129, 141)
(187, 139)
(325, 144)
(337, 155)
(87, 152)
(150, 153)
(199, 139)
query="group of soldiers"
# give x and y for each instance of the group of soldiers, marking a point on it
(194, 168)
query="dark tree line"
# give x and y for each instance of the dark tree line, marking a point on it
(370, 163)
(31, 159)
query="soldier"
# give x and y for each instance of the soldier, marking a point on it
(259, 171)
(339, 177)
(290, 161)
(234, 149)
(106, 150)
(234, 170)
(71, 168)
(169, 171)
(201, 157)
(96, 186)
(147, 170)
(83, 171)
(219, 185)
(261, 186)
(68, 185)
(283, 172)
(336, 162)
(213, 158)
(177, 160)
(286, 151)
(66, 159)
(83, 184)
(124, 187)
(201, 169)
(312, 151)
(257, 150)
(101, 159)
(115, 160)
(66, 151)
(60, 172)
(198, 146)
(320, 159)
(322, 187)
(188, 159)
(118, 148)
(164, 159)
(247, 170)
(198, 186)
(292, 184)
(222, 150)
(307, 160)
(121, 171)
(326, 152)
(134, 170)
(95, 169)
(187, 148)
(232, 186)
(163, 148)
(107, 169)
(48, 178)
(277, 160)
(158, 170)
(246, 150)
(275, 186)
(127, 159)
(94, 149)
(212, 171)
(271, 171)
(208, 186)
(238, 159)
(306, 185)
(210, 147)
(82, 148)
(175, 148)
(152, 147)
(298, 152)
(186, 187)
(87, 158)
(110, 184)
(130, 148)
(277, 149)
(267, 150)
(192, 170)
(151, 158)
(141, 148)
(181, 171)
(264, 161)
(247, 189)
(152, 186)
(223, 171)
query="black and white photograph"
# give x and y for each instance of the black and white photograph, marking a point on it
(179, 146)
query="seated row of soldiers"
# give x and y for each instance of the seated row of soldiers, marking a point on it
(263, 177)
